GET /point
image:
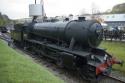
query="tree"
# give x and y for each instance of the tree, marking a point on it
(120, 8)
(3, 19)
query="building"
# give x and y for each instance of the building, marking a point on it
(114, 20)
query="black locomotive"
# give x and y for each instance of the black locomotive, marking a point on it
(72, 44)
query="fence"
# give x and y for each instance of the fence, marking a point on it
(114, 35)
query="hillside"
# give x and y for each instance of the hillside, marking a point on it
(120, 8)
(4, 17)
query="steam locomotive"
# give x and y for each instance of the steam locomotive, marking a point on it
(72, 44)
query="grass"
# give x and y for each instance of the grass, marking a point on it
(117, 49)
(17, 68)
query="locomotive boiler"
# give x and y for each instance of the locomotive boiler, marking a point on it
(71, 44)
(82, 33)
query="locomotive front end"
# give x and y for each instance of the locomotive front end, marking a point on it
(104, 61)
(106, 67)
(95, 36)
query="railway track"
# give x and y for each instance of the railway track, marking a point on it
(111, 79)
(117, 79)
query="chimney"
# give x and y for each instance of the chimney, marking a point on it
(81, 18)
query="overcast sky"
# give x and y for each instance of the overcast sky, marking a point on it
(19, 8)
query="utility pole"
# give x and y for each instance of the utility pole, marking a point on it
(43, 10)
